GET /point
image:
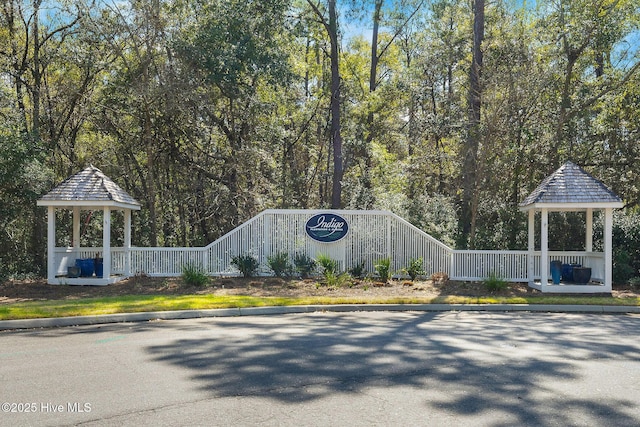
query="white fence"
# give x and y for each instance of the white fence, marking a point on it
(477, 265)
(512, 265)
(372, 235)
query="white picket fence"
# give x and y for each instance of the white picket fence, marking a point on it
(373, 235)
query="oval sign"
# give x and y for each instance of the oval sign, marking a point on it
(326, 227)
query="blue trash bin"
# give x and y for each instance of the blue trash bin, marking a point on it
(556, 271)
(567, 272)
(86, 266)
(98, 265)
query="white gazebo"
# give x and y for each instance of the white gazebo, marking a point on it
(571, 188)
(89, 189)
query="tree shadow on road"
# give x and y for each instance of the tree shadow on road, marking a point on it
(460, 365)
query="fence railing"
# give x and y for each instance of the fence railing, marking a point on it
(373, 235)
(478, 265)
(513, 265)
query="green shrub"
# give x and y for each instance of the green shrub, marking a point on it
(383, 268)
(622, 268)
(358, 270)
(329, 265)
(634, 282)
(337, 280)
(304, 264)
(247, 264)
(279, 264)
(626, 243)
(495, 283)
(193, 274)
(414, 269)
(330, 271)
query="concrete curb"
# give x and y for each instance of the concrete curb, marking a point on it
(260, 311)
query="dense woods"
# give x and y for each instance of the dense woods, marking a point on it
(446, 112)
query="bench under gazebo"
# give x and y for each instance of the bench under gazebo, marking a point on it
(92, 190)
(571, 189)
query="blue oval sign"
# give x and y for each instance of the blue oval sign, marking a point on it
(326, 227)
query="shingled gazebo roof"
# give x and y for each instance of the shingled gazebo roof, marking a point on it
(89, 187)
(571, 187)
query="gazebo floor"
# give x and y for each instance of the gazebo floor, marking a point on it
(86, 281)
(571, 288)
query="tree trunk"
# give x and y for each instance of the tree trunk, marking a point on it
(147, 135)
(374, 47)
(336, 137)
(37, 75)
(331, 26)
(373, 84)
(472, 143)
(38, 234)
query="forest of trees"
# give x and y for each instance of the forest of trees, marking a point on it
(446, 112)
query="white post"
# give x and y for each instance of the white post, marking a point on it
(589, 236)
(544, 248)
(76, 231)
(531, 247)
(267, 242)
(389, 242)
(127, 242)
(388, 224)
(106, 243)
(608, 249)
(51, 245)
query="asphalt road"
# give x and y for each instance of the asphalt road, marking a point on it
(356, 369)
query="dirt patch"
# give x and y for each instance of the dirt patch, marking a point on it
(16, 291)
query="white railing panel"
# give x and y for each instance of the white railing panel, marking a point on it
(163, 261)
(478, 265)
(118, 261)
(409, 242)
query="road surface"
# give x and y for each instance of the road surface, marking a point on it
(328, 369)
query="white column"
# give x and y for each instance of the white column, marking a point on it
(51, 245)
(76, 231)
(267, 243)
(389, 246)
(608, 249)
(544, 247)
(589, 236)
(531, 247)
(127, 242)
(389, 249)
(106, 243)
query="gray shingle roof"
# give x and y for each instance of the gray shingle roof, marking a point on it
(89, 185)
(572, 185)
